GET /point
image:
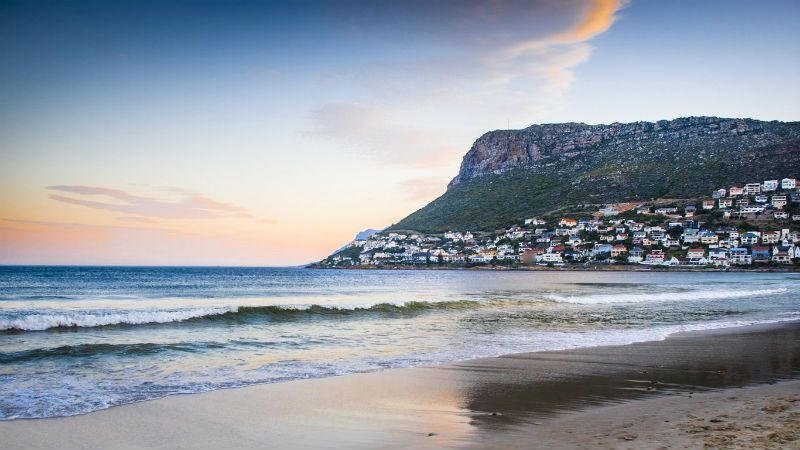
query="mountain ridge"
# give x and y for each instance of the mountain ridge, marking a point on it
(511, 174)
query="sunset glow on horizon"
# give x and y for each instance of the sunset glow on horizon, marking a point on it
(260, 133)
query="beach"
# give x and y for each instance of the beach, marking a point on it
(723, 387)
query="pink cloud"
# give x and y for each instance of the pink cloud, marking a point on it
(189, 205)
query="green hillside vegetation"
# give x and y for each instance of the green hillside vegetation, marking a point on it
(651, 169)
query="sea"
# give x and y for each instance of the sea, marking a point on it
(79, 339)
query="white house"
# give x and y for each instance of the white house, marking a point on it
(788, 183)
(691, 235)
(770, 185)
(782, 256)
(739, 256)
(551, 258)
(752, 188)
(751, 209)
(695, 253)
(779, 201)
(609, 211)
(455, 258)
(750, 238)
(697, 261)
(480, 258)
(665, 211)
(635, 255)
(718, 256)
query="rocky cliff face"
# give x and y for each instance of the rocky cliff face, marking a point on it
(497, 152)
(546, 169)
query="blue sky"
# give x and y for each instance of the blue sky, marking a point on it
(293, 125)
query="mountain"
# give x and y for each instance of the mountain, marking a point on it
(360, 236)
(508, 175)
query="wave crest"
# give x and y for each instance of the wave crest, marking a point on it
(41, 322)
(663, 296)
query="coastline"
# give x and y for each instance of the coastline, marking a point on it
(490, 402)
(570, 268)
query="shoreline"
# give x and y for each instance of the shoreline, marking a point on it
(459, 404)
(571, 268)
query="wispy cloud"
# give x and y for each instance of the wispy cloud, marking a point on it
(136, 219)
(52, 242)
(186, 205)
(372, 130)
(494, 61)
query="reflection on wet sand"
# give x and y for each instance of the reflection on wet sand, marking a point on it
(470, 403)
(526, 388)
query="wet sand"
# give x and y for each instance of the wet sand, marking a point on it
(753, 417)
(616, 396)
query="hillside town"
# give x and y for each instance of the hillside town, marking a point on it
(751, 225)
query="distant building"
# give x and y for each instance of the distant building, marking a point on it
(635, 255)
(618, 250)
(779, 201)
(567, 222)
(609, 211)
(695, 253)
(655, 257)
(760, 253)
(709, 237)
(782, 257)
(739, 256)
(771, 237)
(666, 211)
(770, 185)
(752, 188)
(749, 238)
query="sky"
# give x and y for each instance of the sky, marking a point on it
(269, 133)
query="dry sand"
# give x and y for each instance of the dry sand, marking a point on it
(603, 397)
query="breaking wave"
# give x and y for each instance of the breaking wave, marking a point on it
(93, 319)
(663, 296)
(40, 322)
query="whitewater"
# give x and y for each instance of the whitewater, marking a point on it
(78, 339)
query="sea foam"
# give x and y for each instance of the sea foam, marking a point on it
(38, 322)
(663, 296)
